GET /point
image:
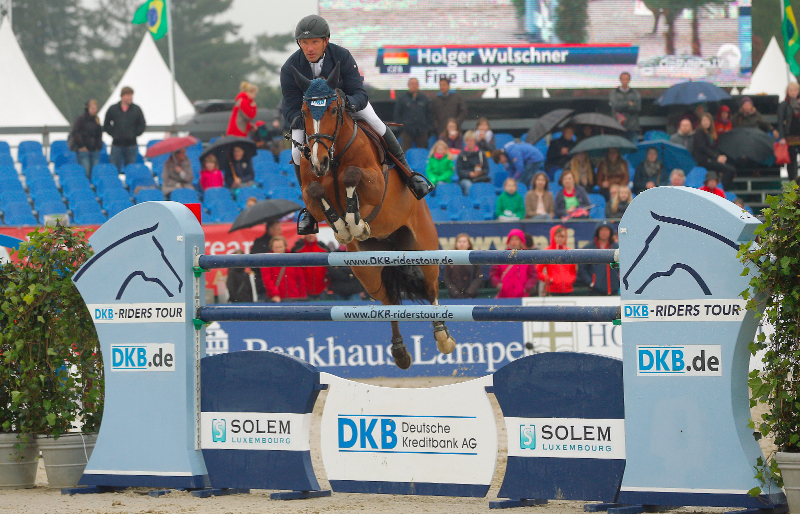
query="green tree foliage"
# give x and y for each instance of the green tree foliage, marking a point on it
(571, 21)
(767, 24)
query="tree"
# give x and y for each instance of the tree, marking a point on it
(571, 21)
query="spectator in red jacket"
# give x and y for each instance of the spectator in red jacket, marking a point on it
(557, 278)
(285, 283)
(316, 276)
(244, 111)
(515, 280)
(711, 183)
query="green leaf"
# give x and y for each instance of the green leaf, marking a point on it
(756, 491)
(51, 419)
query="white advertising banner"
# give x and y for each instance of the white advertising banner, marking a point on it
(254, 431)
(566, 438)
(137, 312)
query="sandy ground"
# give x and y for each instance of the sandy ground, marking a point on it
(42, 500)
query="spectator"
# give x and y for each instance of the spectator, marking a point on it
(177, 173)
(789, 126)
(471, 164)
(514, 280)
(710, 184)
(510, 205)
(558, 151)
(539, 204)
(694, 116)
(452, 136)
(343, 284)
(485, 136)
(124, 123)
(723, 123)
(585, 132)
(651, 172)
(413, 111)
(626, 104)
(684, 135)
(522, 160)
(677, 178)
(244, 111)
(261, 245)
(602, 279)
(239, 172)
(269, 138)
(463, 281)
(572, 201)
(557, 279)
(286, 283)
(581, 168)
(749, 117)
(447, 104)
(316, 277)
(613, 169)
(241, 284)
(707, 156)
(440, 166)
(210, 175)
(87, 137)
(739, 203)
(619, 202)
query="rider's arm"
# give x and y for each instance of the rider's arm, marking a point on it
(292, 99)
(353, 82)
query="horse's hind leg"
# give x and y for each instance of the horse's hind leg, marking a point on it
(399, 351)
(444, 341)
(316, 192)
(358, 227)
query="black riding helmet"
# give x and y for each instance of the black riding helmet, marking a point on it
(312, 26)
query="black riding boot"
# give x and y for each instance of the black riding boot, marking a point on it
(417, 183)
(306, 224)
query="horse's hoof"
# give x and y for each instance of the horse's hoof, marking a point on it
(365, 233)
(344, 240)
(400, 355)
(446, 345)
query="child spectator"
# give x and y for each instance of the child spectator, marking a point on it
(452, 136)
(572, 201)
(723, 123)
(240, 170)
(619, 202)
(650, 172)
(710, 184)
(613, 169)
(581, 168)
(485, 136)
(677, 177)
(602, 279)
(285, 283)
(557, 279)
(177, 173)
(515, 280)
(210, 175)
(471, 164)
(440, 165)
(463, 281)
(316, 277)
(510, 205)
(241, 284)
(539, 203)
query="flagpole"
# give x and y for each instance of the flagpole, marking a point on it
(172, 62)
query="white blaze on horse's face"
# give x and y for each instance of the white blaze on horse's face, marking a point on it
(314, 157)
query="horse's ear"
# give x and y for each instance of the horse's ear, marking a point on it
(300, 80)
(333, 78)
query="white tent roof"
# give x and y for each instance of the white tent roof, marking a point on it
(771, 76)
(151, 81)
(24, 101)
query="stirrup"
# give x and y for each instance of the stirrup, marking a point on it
(306, 223)
(419, 185)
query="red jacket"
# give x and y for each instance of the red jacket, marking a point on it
(242, 115)
(292, 284)
(560, 277)
(316, 276)
(518, 280)
(717, 191)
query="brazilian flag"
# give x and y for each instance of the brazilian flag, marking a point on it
(154, 14)
(791, 39)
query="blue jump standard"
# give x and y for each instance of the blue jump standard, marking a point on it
(407, 313)
(417, 258)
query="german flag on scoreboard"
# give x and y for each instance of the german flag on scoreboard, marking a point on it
(395, 58)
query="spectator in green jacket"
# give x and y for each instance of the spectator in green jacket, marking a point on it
(510, 204)
(440, 165)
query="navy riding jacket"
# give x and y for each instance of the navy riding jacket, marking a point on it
(350, 81)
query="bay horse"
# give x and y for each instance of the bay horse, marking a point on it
(367, 205)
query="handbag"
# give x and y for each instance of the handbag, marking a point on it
(782, 154)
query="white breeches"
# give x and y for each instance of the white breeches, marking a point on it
(367, 114)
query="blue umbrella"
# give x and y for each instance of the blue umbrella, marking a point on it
(671, 155)
(688, 93)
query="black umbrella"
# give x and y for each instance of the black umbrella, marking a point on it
(595, 119)
(746, 143)
(264, 212)
(545, 124)
(596, 144)
(223, 146)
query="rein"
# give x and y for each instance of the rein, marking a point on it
(318, 137)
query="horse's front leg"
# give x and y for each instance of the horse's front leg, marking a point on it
(316, 193)
(357, 226)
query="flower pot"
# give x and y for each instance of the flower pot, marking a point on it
(17, 467)
(65, 458)
(789, 464)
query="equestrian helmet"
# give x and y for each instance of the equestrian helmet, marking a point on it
(312, 26)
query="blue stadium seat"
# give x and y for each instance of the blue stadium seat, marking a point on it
(599, 209)
(14, 194)
(459, 207)
(287, 193)
(7, 171)
(557, 175)
(88, 213)
(215, 195)
(57, 148)
(439, 215)
(541, 145)
(104, 171)
(34, 147)
(32, 159)
(103, 154)
(152, 142)
(224, 215)
(433, 201)
(417, 157)
(6, 160)
(495, 167)
(5, 148)
(45, 193)
(114, 207)
(18, 214)
(74, 183)
(522, 189)
(70, 169)
(483, 189)
(555, 189)
(50, 208)
(448, 189)
(285, 157)
(696, 177)
(213, 140)
(272, 180)
(77, 196)
(65, 158)
(149, 195)
(730, 196)
(184, 195)
(138, 175)
(502, 138)
(246, 193)
(114, 194)
(498, 178)
(157, 163)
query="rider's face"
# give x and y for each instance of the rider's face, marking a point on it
(313, 48)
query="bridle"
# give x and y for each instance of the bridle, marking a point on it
(320, 137)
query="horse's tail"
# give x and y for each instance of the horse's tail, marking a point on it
(404, 282)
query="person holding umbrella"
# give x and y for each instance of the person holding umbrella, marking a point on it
(706, 154)
(558, 152)
(749, 117)
(177, 173)
(240, 172)
(613, 169)
(789, 125)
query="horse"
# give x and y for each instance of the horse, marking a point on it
(352, 201)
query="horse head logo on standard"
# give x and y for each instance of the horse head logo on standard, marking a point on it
(685, 357)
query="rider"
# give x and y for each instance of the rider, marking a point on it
(317, 58)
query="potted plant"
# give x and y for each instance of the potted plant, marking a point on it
(775, 288)
(51, 352)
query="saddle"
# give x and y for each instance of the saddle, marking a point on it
(386, 157)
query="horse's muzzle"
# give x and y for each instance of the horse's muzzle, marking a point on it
(322, 169)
